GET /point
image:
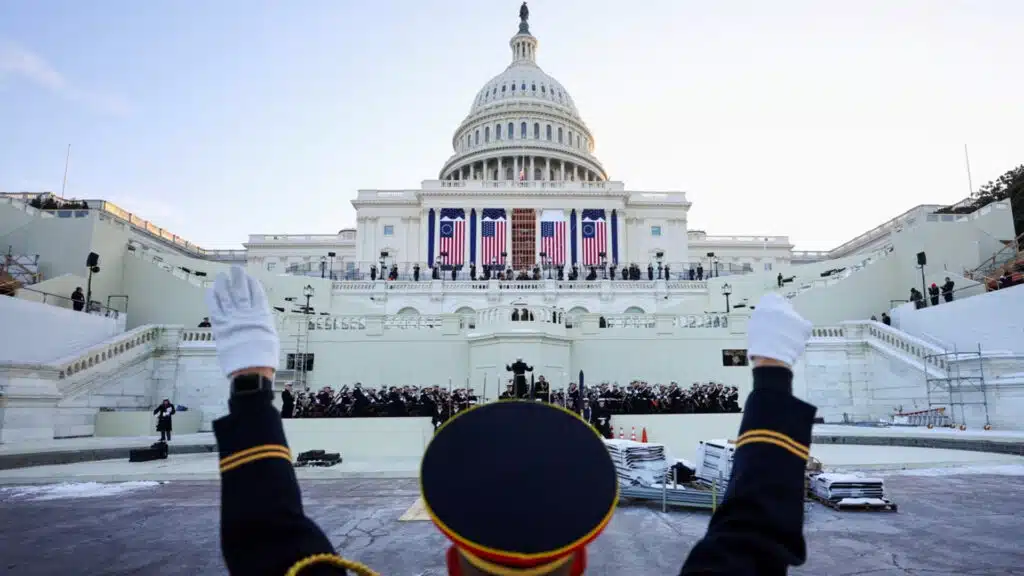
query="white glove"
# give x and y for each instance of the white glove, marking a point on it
(242, 324)
(776, 331)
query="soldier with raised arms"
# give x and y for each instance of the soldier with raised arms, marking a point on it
(544, 526)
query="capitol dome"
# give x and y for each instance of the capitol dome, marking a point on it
(523, 125)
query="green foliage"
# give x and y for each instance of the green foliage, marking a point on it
(1009, 185)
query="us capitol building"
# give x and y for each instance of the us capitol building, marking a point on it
(522, 189)
(522, 247)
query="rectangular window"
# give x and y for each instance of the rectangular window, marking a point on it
(767, 266)
(734, 358)
(271, 266)
(655, 230)
(389, 230)
(294, 362)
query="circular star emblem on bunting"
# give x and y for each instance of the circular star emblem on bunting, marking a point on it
(446, 229)
(588, 229)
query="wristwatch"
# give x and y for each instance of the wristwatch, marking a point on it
(248, 384)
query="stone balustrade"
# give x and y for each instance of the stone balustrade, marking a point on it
(521, 314)
(108, 351)
(926, 353)
(563, 287)
(828, 332)
(196, 335)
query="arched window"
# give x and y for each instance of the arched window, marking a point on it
(503, 88)
(468, 141)
(536, 130)
(578, 141)
(523, 86)
(513, 86)
(487, 134)
(534, 87)
(543, 89)
(511, 131)
(497, 132)
(549, 132)
(570, 137)
(477, 136)
(559, 134)
(522, 130)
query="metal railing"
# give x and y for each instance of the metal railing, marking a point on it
(1000, 258)
(363, 271)
(94, 307)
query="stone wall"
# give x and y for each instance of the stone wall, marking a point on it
(856, 371)
(865, 371)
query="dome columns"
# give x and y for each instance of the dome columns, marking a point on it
(528, 168)
(524, 49)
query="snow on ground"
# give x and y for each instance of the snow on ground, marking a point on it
(68, 490)
(995, 469)
(922, 431)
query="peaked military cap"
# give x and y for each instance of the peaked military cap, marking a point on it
(519, 485)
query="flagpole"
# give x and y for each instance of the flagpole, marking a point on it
(967, 161)
(64, 184)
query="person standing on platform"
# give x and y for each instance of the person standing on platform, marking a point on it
(519, 370)
(541, 529)
(287, 402)
(163, 419)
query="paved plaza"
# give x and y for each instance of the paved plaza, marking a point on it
(964, 524)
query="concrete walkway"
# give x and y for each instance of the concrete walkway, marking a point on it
(949, 525)
(203, 467)
(892, 440)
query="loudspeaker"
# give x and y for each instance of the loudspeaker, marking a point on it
(92, 260)
(921, 259)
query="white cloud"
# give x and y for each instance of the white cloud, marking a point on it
(17, 61)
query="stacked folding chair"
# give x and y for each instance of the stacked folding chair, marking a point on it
(638, 464)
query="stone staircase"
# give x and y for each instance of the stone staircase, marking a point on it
(1010, 254)
(61, 398)
(851, 268)
(865, 371)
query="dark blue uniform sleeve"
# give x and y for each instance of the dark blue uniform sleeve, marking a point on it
(263, 527)
(758, 529)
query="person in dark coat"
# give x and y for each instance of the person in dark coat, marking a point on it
(947, 290)
(933, 294)
(519, 370)
(78, 299)
(163, 419)
(757, 529)
(287, 402)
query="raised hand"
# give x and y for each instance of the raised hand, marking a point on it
(776, 332)
(242, 324)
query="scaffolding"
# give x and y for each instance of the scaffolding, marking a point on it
(950, 390)
(300, 360)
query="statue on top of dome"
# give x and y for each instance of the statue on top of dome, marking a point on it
(524, 12)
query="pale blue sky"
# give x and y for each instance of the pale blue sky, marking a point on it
(219, 119)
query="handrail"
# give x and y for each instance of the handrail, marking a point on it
(116, 346)
(990, 263)
(94, 306)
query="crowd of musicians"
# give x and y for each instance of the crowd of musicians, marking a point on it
(440, 403)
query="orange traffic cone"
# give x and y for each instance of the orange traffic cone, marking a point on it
(643, 437)
(621, 435)
(632, 435)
